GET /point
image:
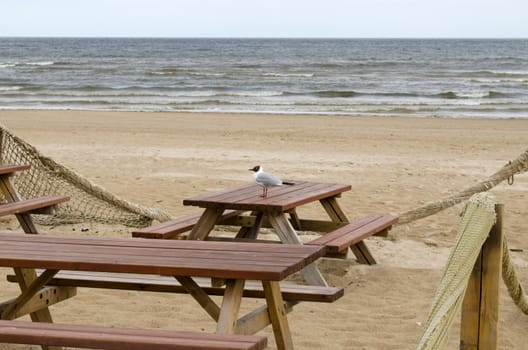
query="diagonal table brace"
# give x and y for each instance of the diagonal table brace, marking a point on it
(28, 293)
(200, 296)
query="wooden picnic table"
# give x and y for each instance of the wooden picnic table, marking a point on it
(277, 210)
(182, 259)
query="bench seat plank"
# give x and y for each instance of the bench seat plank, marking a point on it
(172, 228)
(348, 235)
(164, 284)
(10, 169)
(92, 337)
(31, 205)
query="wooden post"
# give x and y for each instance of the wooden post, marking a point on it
(480, 310)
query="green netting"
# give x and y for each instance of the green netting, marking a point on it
(476, 223)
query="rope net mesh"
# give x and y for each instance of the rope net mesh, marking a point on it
(88, 202)
(476, 223)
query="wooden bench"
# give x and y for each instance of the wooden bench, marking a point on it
(41, 205)
(163, 284)
(15, 205)
(185, 260)
(172, 228)
(352, 235)
(52, 334)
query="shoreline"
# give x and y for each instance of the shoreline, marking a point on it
(393, 164)
(248, 113)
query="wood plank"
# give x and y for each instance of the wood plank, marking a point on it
(246, 194)
(140, 255)
(212, 195)
(119, 338)
(283, 198)
(329, 237)
(10, 169)
(206, 259)
(165, 284)
(346, 236)
(172, 228)
(156, 244)
(29, 205)
(299, 194)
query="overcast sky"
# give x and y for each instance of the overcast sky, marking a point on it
(269, 18)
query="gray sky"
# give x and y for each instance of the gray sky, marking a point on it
(269, 18)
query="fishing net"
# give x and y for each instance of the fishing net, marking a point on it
(88, 201)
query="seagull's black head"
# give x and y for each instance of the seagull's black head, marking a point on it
(255, 168)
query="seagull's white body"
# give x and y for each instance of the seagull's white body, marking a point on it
(266, 180)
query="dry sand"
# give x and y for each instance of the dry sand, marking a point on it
(393, 164)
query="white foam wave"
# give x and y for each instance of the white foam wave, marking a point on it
(256, 94)
(302, 75)
(42, 63)
(10, 88)
(204, 74)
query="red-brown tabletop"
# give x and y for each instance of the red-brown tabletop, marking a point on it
(283, 198)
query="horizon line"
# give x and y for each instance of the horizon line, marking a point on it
(259, 37)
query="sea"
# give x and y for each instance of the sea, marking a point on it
(452, 78)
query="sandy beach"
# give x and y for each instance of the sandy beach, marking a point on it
(393, 165)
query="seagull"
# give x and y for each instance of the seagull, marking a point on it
(266, 180)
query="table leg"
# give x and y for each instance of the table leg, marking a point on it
(336, 214)
(277, 314)
(230, 306)
(206, 223)
(287, 235)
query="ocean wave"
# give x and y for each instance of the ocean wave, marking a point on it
(37, 63)
(41, 63)
(335, 93)
(288, 75)
(207, 74)
(495, 73)
(248, 66)
(253, 94)
(11, 88)
(501, 81)
(476, 95)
